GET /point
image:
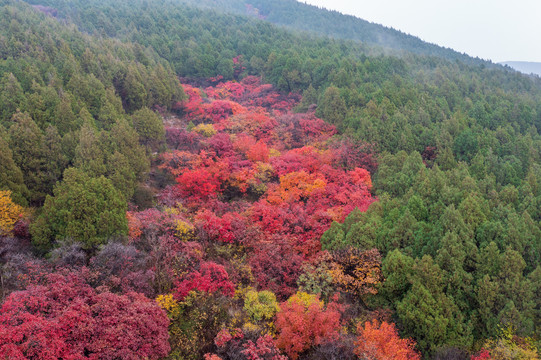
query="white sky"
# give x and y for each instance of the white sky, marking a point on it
(497, 30)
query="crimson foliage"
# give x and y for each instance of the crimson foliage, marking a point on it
(66, 318)
(302, 326)
(211, 278)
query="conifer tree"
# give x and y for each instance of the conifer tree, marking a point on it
(11, 176)
(86, 209)
(27, 143)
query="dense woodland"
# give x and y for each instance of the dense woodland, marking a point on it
(183, 182)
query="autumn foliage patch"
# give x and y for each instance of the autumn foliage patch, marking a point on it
(246, 190)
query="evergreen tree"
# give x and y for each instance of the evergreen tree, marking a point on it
(89, 154)
(149, 126)
(124, 139)
(86, 209)
(55, 161)
(334, 238)
(11, 176)
(65, 119)
(11, 97)
(27, 143)
(132, 90)
(332, 107)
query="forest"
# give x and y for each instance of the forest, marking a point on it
(195, 180)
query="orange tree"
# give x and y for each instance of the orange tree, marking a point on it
(381, 341)
(355, 271)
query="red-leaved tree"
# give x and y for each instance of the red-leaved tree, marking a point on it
(211, 278)
(481, 355)
(301, 324)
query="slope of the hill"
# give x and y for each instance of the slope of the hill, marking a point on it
(457, 220)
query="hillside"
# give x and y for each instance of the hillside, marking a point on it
(196, 182)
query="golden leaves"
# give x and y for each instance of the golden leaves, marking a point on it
(355, 271)
(9, 212)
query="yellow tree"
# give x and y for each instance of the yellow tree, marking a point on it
(9, 212)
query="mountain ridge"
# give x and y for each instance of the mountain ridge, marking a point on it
(296, 15)
(526, 67)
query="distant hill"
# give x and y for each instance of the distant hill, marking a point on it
(526, 67)
(300, 16)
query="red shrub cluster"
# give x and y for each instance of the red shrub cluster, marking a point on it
(66, 318)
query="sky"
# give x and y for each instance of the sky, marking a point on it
(497, 30)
